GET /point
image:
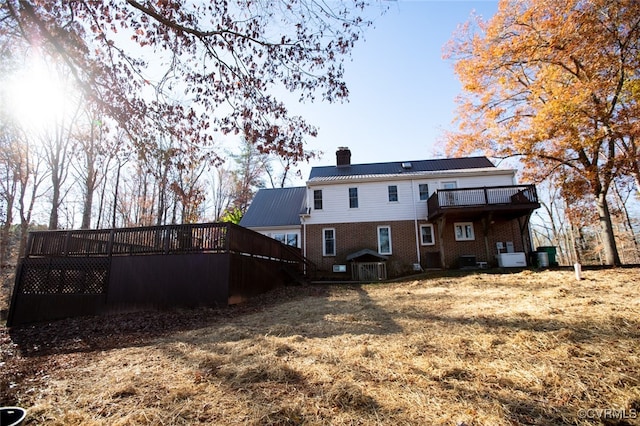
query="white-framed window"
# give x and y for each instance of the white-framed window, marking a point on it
(353, 198)
(292, 240)
(393, 193)
(288, 239)
(423, 190)
(427, 238)
(451, 198)
(328, 242)
(464, 231)
(384, 239)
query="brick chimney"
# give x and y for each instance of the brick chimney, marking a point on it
(343, 156)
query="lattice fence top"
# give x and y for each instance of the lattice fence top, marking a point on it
(64, 275)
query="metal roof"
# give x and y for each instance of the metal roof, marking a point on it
(276, 207)
(401, 167)
(404, 176)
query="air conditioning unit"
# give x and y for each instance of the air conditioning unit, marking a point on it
(512, 260)
(467, 261)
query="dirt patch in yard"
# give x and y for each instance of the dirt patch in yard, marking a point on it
(476, 349)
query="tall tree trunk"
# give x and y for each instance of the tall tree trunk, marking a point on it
(26, 212)
(87, 207)
(115, 196)
(9, 189)
(612, 257)
(5, 233)
(143, 202)
(55, 198)
(162, 194)
(103, 190)
(627, 220)
(89, 183)
(575, 244)
(58, 151)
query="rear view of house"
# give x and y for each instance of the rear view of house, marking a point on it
(379, 220)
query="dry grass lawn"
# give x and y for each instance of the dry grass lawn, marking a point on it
(478, 349)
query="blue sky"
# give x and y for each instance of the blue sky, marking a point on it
(401, 90)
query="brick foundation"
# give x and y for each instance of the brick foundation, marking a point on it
(352, 237)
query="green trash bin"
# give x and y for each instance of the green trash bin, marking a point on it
(551, 254)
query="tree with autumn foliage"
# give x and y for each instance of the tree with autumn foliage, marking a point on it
(556, 83)
(191, 69)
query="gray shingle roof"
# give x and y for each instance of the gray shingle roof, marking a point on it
(397, 168)
(276, 207)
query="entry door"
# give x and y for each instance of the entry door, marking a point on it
(450, 199)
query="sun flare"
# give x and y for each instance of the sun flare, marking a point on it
(38, 97)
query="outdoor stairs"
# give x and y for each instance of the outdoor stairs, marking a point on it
(295, 277)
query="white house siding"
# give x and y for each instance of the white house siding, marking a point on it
(473, 181)
(373, 201)
(356, 228)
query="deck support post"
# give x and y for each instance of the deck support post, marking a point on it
(442, 221)
(524, 231)
(486, 227)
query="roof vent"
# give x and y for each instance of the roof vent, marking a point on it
(406, 166)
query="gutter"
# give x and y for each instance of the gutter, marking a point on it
(409, 176)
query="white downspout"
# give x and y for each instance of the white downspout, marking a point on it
(304, 236)
(304, 223)
(415, 221)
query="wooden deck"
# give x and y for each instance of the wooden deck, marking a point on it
(91, 272)
(512, 201)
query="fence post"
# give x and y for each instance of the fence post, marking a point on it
(486, 196)
(112, 236)
(227, 237)
(167, 238)
(29, 248)
(67, 238)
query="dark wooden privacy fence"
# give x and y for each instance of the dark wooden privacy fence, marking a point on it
(90, 272)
